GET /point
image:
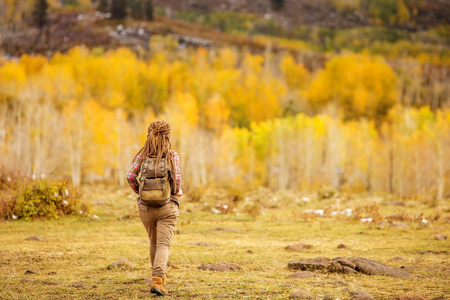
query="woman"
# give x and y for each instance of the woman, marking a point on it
(159, 220)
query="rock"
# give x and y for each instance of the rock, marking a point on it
(318, 263)
(78, 285)
(35, 238)
(411, 297)
(122, 263)
(343, 246)
(440, 237)
(301, 274)
(399, 225)
(30, 272)
(298, 247)
(225, 229)
(219, 267)
(301, 295)
(345, 262)
(249, 251)
(201, 244)
(361, 295)
(371, 267)
(51, 273)
(347, 265)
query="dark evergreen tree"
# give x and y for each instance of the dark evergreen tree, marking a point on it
(277, 4)
(148, 8)
(119, 9)
(103, 6)
(39, 14)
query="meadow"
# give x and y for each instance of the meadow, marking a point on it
(72, 260)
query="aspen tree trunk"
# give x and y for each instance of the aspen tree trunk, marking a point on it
(440, 178)
(121, 169)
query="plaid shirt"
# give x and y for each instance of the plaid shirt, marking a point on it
(135, 168)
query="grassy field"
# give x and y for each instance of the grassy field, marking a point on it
(72, 261)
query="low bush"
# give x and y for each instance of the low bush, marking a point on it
(46, 198)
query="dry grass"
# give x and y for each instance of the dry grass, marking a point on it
(72, 261)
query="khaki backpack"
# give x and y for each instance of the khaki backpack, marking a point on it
(154, 183)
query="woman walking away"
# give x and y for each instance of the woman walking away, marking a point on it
(155, 176)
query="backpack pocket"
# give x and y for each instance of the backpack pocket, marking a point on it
(155, 192)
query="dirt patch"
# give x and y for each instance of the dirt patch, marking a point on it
(301, 274)
(347, 265)
(411, 297)
(361, 295)
(201, 244)
(225, 229)
(433, 252)
(301, 295)
(298, 247)
(219, 267)
(35, 238)
(78, 285)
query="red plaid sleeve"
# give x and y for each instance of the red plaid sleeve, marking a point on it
(134, 172)
(177, 191)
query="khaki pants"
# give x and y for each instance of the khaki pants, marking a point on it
(160, 224)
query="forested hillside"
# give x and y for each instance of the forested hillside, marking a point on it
(265, 98)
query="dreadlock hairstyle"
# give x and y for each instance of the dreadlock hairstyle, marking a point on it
(158, 145)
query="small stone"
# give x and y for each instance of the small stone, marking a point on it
(298, 247)
(122, 263)
(399, 225)
(411, 297)
(301, 274)
(440, 237)
(35, 238)
(219, 267)
(301, 295)
(201, 244)
(52, 273)
(361, 295)
(29, 272)
(343, 246)
(249, 251)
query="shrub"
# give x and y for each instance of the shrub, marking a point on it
(49, 199)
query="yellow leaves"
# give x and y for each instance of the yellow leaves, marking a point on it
(33, 63)
(294, 74)
(12, 78)
(361, 86)
(216, 113)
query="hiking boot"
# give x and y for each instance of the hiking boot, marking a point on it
(158, 287)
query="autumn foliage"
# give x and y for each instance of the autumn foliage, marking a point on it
(237, 118)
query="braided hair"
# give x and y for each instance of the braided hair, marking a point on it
(158, 145)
